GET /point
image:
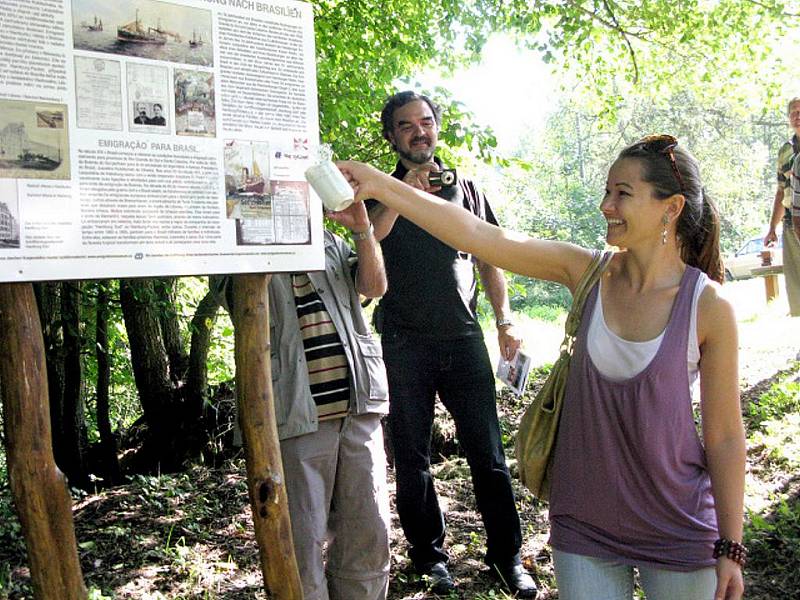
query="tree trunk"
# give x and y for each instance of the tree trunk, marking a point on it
(73, 425)
(108, 445)
(164, 288)
(48, 299)
(150, 370)
(39, 489)
(265, 479)
(148, 355)
(197, 375)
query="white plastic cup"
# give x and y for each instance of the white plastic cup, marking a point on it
(330, 185)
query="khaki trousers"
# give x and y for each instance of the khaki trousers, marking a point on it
(339, 506)
(791, 269)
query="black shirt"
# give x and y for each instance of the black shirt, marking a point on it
(432, 290)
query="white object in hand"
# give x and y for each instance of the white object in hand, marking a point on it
(330, 185)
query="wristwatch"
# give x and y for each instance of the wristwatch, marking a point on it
(363, 235)
(504, 323)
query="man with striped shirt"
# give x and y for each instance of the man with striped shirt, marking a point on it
(330, 390)
(782, 211)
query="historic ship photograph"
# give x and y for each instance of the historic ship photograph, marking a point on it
(19, 151)
(196, 40)
(29, 149)
(135, 32)
(96, 26)
(252, 181)
(144, 28)
(246, 187)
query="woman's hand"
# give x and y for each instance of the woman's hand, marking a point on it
(364, 179)
(730, 581)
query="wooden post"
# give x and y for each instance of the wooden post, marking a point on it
(770, 274)
(39, 488)
(771, 284)
(265, 480)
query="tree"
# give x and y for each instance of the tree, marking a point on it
(109, 462)
(48, 302)
(730, 49)
(73, 420)
(59, 307)
(733, 49)
(362, 50)
(171, 387)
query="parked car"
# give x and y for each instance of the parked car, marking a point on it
(748, 257)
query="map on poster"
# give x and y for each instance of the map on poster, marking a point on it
(154, 138)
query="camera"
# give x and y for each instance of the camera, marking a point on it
(443, 178)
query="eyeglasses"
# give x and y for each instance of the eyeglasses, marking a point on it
(662, 144)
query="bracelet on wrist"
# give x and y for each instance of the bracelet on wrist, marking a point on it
(503, 323)
(732, 550)
(363, 235)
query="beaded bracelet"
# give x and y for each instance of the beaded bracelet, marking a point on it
(730, 549)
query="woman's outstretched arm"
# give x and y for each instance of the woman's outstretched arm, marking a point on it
(555, 261)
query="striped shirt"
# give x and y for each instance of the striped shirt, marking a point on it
(328, 372)
(786, 156)
(796, 187)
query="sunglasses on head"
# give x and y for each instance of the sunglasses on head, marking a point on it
(663, 144)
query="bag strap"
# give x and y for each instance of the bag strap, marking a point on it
(590, 276)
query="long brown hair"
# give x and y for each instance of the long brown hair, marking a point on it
(698, 224)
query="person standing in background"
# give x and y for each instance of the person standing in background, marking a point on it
(781, 210)
(330, 394)
(433, 345)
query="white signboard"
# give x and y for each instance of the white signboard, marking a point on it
(145, 137)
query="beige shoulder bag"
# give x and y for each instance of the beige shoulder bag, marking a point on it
(537, 430)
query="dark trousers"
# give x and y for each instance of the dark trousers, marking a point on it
(460, 372)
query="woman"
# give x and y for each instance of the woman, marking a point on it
(633, 486)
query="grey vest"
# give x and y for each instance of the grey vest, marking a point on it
(295, 411)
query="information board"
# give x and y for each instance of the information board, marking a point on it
(148, 138)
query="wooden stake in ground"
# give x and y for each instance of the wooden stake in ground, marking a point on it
(265, 480)
(39, 488)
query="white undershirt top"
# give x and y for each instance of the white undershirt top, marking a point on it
(619, 359)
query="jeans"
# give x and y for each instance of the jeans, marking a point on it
(460, 372)
(587, 578)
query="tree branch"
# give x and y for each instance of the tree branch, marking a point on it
(627, 33)
(627, 41)
(773, 8)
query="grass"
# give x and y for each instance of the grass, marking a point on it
(782, 398)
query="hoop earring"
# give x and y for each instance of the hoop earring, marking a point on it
(665, 222)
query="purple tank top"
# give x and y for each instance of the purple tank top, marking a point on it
(630, 481)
